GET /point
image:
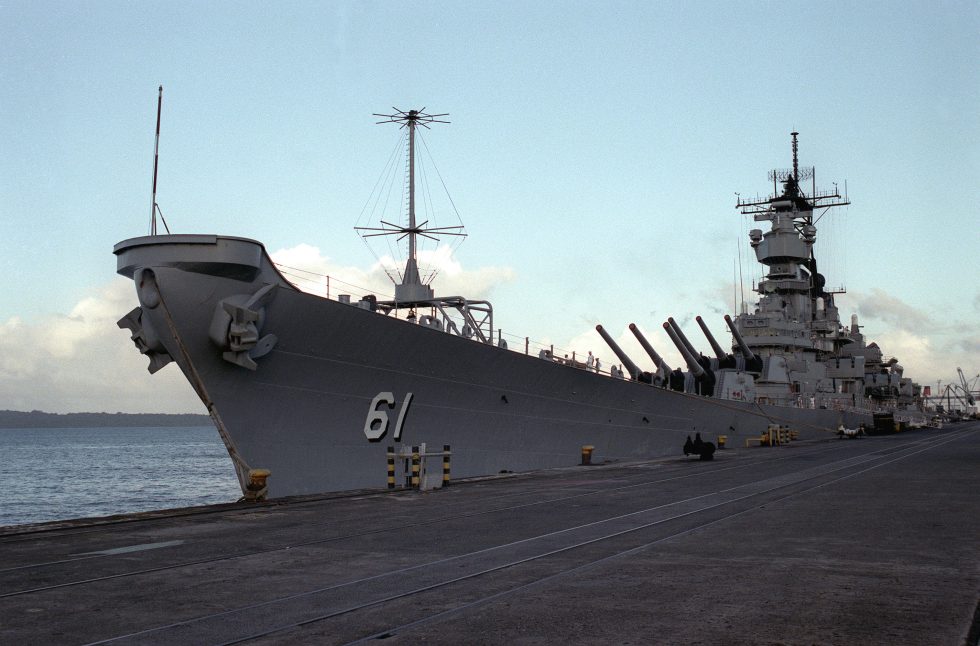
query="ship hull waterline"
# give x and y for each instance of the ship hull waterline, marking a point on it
(303, 412)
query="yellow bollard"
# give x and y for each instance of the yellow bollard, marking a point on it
(721, 441)
(587, 454)
(256, 489)
(773, 433)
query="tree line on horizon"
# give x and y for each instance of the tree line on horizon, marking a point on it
(40, 419)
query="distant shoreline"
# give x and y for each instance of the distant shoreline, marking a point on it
(39, 419)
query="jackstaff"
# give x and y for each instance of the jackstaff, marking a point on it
(156, 157)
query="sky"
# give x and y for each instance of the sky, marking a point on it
(594, 154)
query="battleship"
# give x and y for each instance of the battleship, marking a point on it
(313, 390)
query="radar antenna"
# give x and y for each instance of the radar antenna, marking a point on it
(796, 157)
(762, 209)
(411, 289)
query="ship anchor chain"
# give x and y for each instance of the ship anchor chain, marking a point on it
(236, 326)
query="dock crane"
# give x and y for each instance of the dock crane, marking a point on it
(967, 391)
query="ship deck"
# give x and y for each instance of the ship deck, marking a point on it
(869, 541)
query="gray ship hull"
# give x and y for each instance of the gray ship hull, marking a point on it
(303, 411)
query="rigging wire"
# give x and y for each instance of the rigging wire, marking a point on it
(374, 191)
(393, 251)
(429, 215)
(741, 263)
(458, 239)
(385, 179)
(847, 210)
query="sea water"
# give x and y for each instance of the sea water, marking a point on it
(61, 473)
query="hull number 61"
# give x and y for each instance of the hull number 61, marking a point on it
(376, 425)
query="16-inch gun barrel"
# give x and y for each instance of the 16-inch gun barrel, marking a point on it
(682, 337)
(746, 352)
(696, 369)
(657, 359)
(631, 367)
(714, 344)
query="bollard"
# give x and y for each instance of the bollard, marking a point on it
(256, 488)
(721, 441)
(784, 435)
(446, 454)
(416, 467)
(391, 467)
(773, 433)
(587, 454)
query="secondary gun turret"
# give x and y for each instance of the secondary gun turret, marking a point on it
(633, 370)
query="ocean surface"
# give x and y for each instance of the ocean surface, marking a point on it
(61, 473)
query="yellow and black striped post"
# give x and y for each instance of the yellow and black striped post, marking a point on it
(784, 436)
(391, 467)
(416, 467)
(446, 454)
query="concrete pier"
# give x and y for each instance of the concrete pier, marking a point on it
(854, 541)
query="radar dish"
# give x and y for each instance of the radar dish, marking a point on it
(783, 174)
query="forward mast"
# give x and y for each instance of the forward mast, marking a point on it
(411, 292)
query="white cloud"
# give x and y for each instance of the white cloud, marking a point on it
(82, 362)
(309, 269)
(914, 351)
(929, 345)
(892, 311)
